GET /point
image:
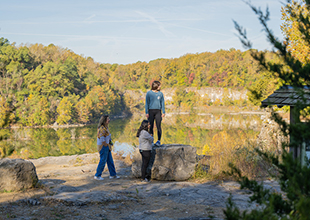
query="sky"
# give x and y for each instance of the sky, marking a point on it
(128, 31)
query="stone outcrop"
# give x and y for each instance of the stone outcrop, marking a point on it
(172, 162)
(17, 174)
(270, 138)
(211, 93)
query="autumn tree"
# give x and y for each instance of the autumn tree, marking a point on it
(83, 111)
(64, 111)
(6, 114)
(294, 31)
(38, 112)
(293, 175)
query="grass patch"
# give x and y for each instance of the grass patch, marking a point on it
(6, 191)
(236, 147)
(201, 173)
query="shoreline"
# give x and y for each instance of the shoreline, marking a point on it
(176, 112)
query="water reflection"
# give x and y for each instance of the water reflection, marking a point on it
(123, 148)
(198, 130)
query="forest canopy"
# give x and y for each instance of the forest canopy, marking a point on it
(48, 84)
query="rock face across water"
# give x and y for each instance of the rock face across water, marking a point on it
(17, 174)
(172, 162)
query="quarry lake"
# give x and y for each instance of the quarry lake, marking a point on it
(203, 131)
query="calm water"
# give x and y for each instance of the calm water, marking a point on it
(196, 130)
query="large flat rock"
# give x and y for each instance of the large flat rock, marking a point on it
(169, 162)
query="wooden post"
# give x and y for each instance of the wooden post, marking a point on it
(294, 116)
(292, 121)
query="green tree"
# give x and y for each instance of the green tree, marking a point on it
(262, 88)
(6, 115)
(64, 111)
(178, 97)
(293, 176)
(295, 31)
(38, 111)
(83, 111)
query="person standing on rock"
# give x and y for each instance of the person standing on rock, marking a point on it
(145, 148)
(155, 108)
(104, 147)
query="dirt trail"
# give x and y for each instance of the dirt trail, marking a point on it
(68, 191)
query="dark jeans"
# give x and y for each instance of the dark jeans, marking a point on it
(155, 114)
(146, 156)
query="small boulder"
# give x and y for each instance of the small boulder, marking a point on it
(17, 174)
(172, 162)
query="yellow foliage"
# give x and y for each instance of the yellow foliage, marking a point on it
(207, 150)
(222, 148)
(297, 45)
(217, 102)
(64, 111)
(30, 97)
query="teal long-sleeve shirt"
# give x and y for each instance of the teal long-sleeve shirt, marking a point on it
(154, 100)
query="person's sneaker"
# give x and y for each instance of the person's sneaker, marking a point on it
(114, 177)
(157, 143)
(98, 178)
